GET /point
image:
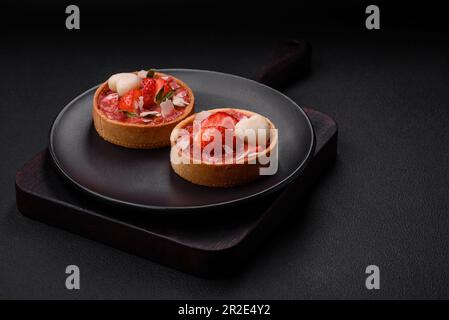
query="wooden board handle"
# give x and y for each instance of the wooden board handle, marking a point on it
(289, 62)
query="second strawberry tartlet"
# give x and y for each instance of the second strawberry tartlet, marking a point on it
(140, 109)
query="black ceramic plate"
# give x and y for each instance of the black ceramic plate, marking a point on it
(144, 179)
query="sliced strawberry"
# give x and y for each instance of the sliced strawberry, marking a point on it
(208, 136)
(222, 122)
(148, 91)
(126, 102)
(174, 85)
(161, 83)
(220, 119)
(181, 92)
(148, 85)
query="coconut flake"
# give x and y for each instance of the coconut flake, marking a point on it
(167, 108)
(140, 103)
(150, 113)
(181, 93)
(179, 102)
(174, 85)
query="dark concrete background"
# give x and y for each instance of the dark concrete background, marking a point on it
(385, 202)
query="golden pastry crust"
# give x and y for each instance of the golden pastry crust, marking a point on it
(137, 135)
(221, 174)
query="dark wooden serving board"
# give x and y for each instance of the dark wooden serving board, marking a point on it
(209, 244)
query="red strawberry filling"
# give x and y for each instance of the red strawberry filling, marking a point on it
(215, 126)
(162, 84)
(218, 125)
(148, 91)
(220, 119)
(127, 102)
(143, 105)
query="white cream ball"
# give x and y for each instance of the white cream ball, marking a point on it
(254, 126)
(124, 82)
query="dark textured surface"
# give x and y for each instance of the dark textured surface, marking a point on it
(385, 202)
(289, 62)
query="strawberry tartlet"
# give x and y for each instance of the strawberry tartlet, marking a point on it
(223, 147)
(140, 109)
